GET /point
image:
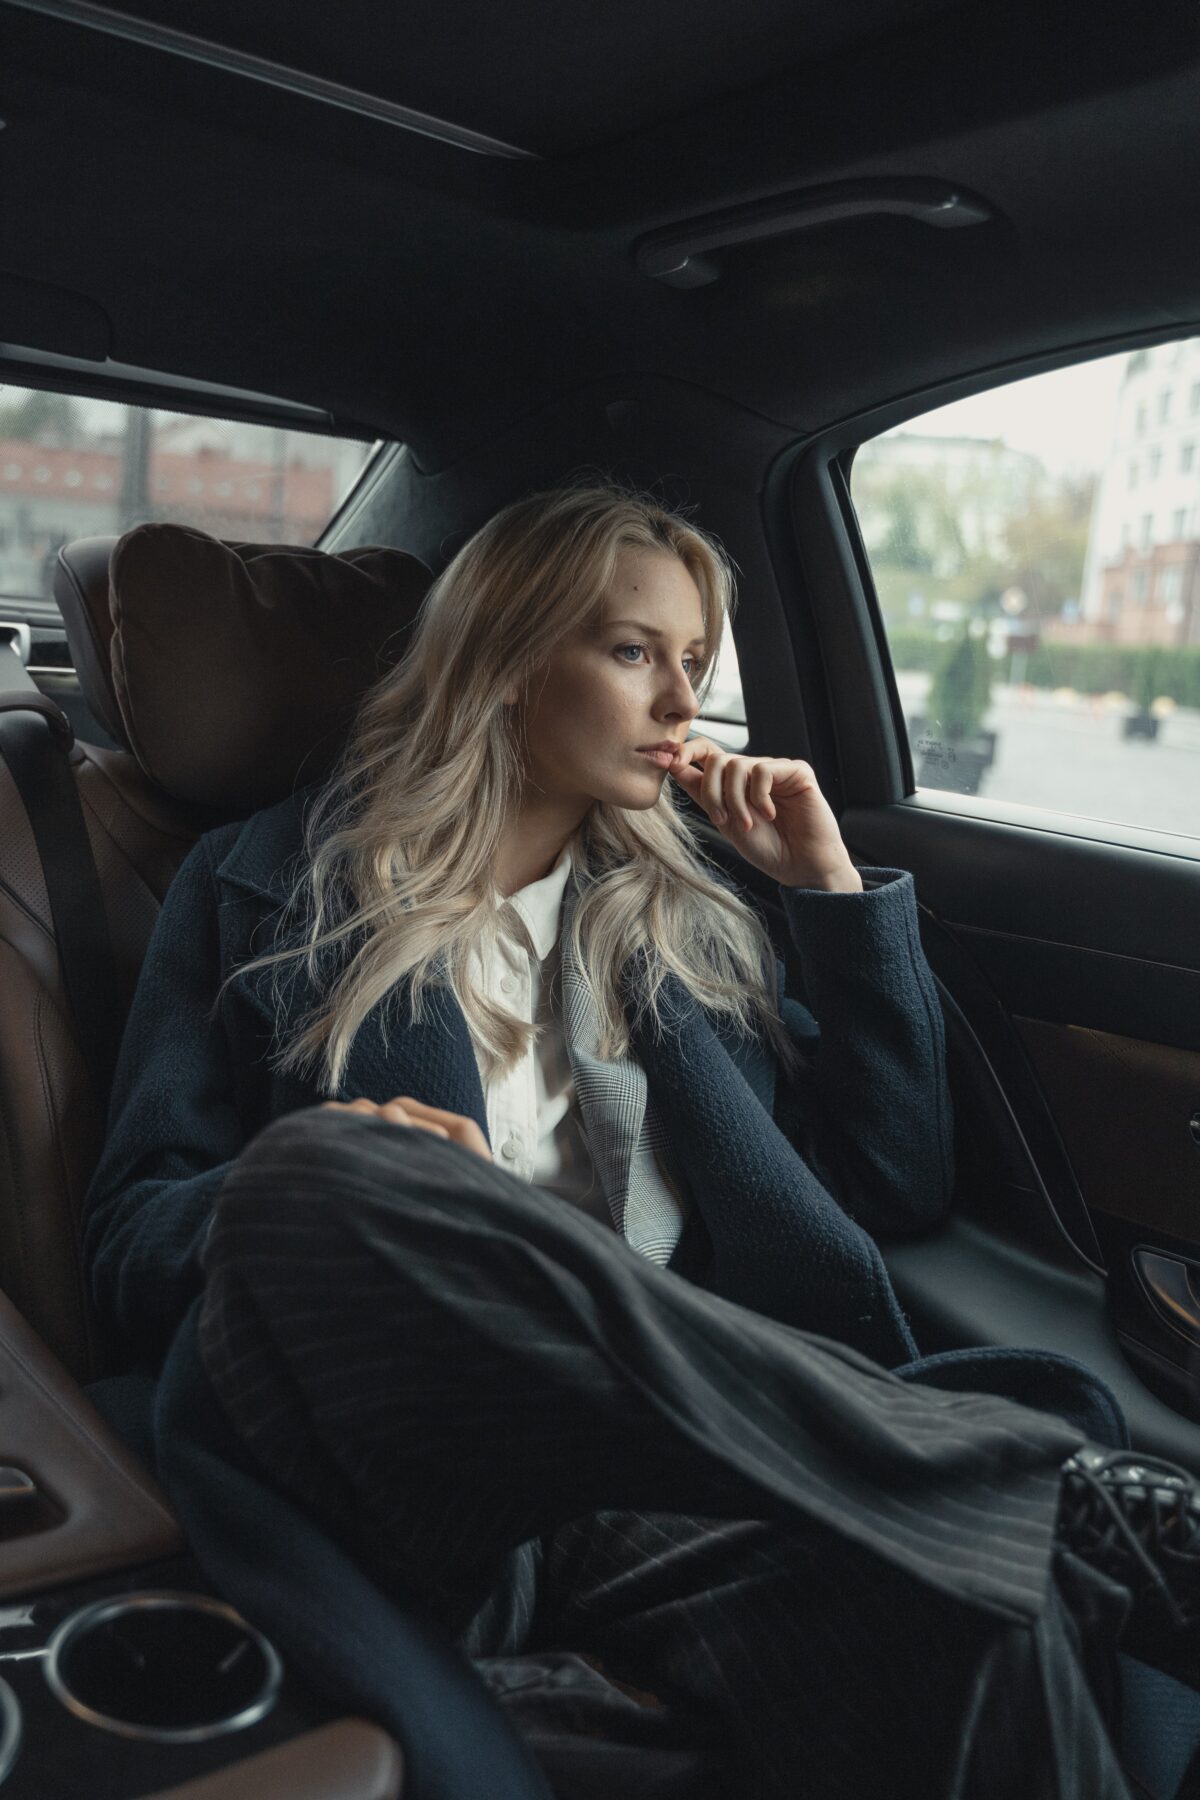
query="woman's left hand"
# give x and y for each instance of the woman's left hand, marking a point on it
(772, 812)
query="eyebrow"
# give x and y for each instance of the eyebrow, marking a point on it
(650, 630)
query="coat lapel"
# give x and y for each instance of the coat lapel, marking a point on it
(434, 1060)
(611, 1095)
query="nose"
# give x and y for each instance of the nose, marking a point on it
(676, 698)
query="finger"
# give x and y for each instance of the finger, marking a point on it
(394, 1113)
(737, 771)
(424, 1110)
(455, 1126)
(689, 778)
(712, 788)
(759, 790)
(473, 1139)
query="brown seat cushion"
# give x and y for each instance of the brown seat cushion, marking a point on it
(238, 667)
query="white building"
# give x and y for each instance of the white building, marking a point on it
(1141, 577)
(981, 482)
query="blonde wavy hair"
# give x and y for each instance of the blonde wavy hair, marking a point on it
(401, 843)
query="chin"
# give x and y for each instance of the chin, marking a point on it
(646, 797)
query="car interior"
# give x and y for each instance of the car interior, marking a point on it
(715, 254)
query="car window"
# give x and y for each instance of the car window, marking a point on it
(1036, 556)
(724, 715)
(72, 468)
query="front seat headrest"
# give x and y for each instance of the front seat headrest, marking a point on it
(81, 590)
(232, 671)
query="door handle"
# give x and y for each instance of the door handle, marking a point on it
(1172, 1286)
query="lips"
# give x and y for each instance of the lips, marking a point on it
(663, 758)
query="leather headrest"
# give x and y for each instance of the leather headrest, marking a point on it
(81, 590)
(235, 668)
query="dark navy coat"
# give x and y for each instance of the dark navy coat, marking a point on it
(786, 1179)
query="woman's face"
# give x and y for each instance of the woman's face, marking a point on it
(615, 689)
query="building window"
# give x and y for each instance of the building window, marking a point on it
(1179, 523)
(73, 478)
(102, 481)
(1196, 396)
(1164, 406)
(1133, 474)
(1155, 462)
(1147, 529)
(12, 471)
(41, 473)
(1187, 457)
(1170, 583)
(1137, 586)
(1141, 420)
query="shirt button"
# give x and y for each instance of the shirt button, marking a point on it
(508, 984)
(510, 1149)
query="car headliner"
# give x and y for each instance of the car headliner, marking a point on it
(181, 217)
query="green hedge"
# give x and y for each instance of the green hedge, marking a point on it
(1143, 674)
(912, 649)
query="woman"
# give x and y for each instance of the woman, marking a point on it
(494, 936)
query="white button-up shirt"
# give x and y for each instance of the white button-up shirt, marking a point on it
(533, 1115)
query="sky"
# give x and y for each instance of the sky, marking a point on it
(1065, 417)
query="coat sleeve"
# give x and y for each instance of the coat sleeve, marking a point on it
(870, 1111)
(173, 1126)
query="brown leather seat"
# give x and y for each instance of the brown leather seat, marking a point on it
(228, 673)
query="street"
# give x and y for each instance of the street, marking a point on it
(1068, 754)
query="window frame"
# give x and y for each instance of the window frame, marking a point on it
(850, 691)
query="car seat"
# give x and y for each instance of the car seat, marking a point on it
(227, 674)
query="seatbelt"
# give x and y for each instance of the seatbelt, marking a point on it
(35, 741)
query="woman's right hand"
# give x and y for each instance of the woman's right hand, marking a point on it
(414, 1113)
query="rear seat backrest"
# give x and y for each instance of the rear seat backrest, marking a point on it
(238, 669)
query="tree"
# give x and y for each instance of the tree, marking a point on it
(1046, 544)
(961, 689)
(37, 417)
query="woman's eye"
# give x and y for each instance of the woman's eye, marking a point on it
(690, 663)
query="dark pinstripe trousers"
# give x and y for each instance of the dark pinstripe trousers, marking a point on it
(523, 1428)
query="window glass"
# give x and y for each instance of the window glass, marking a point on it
(724, 715)
(1045, 631)
(72, 468)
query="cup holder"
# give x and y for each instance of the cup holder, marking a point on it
(173, 1668)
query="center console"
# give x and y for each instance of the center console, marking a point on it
(122, 1676)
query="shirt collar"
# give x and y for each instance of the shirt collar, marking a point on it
(540, 905)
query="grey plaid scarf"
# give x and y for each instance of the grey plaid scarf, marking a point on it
(625, 1133)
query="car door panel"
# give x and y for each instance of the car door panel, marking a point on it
(1075, 967)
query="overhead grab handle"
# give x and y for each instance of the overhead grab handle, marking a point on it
(677, 255)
